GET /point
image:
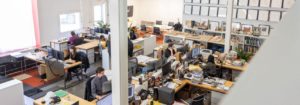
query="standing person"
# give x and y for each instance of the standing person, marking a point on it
(170, 51)
(73, 38)
(103, 42)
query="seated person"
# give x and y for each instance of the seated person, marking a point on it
(73, 38)
(170, 51)
(71, 56)
(97, 83)
(103, 42)
(210, 67)
(130, 48)
(132, 33)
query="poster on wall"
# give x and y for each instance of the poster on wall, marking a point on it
(188, 1)
(196, 1)
(243, 2)
(214, 1)
(242, 14)
(254, 3)
(276, 15)
(213, 11)
(222, 12)
(276, 3)
(196, 10)
(188, 9)
(130, 11)
(204, 1)
(204, 11)
(223, 2)
(265, 3)
(288, 3)
(263, 15)
(252, 14)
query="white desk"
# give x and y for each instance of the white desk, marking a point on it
(145, 45)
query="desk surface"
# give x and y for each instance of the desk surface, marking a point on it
(143, 60)
(203, 86)
(65, 99)
(88, 45)
(232, 67)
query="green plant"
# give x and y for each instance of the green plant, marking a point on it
(243, 54)
(101, 24)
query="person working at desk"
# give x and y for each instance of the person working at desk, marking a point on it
(170, 51)
(210, 67)
(132, 33)
(97, 83)
(73, 38)
(103, 42)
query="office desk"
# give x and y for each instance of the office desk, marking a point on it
(59, 45)
(89, 49)
(143, 60)
(65, 100)
(202, 86)
(232, 67)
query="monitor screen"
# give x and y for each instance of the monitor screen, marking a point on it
(166, 69)
(195, 52)
(130, 91)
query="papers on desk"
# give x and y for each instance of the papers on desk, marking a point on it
(105, 101)
(171, 85)
(219, 83)
(145, 59)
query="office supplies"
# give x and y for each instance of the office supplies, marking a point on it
(106, 87)
(61, 93)
(205, 53)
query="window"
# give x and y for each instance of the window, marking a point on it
(18, 29)
(99, 13)
(69, 22)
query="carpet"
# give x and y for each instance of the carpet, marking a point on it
(22, 77)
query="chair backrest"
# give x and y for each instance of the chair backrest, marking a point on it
(171, 24)
(158, 22)
(132, 66)
(156, 30)
(78, 41)
(55, 66)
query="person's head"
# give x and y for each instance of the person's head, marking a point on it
(73, 33)
(102, 38)
(100, 72)
(170, 45)
(72, 50)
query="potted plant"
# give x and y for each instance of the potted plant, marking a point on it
(102, 27)
(243, 54)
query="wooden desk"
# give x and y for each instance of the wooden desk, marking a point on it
(232, 67)
(202, 86)
(89, 49)
(65, 99)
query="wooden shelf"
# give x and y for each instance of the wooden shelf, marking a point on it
(244, 35)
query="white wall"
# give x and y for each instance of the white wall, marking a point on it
(49, 11)
(273, 75)
(152, 10)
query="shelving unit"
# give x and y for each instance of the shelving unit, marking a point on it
(243, 38)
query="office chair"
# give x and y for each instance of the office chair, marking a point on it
(158, 22)
(132, 66)
(156, 31)
(171, 24)
(78, 41)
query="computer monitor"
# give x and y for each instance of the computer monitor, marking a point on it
(106, 87)
(143, 28)
(195, 52)
(166, 69)
(58, 54)
(130, 91)
(158, 22)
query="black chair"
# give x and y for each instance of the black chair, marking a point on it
(88, 90)
(78, 41)
(156, 31)
(158, 22)
(132, 66)
(171, 24)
